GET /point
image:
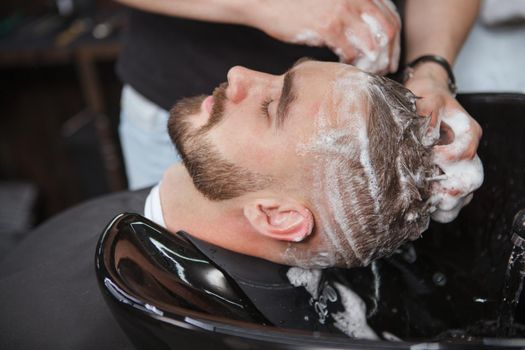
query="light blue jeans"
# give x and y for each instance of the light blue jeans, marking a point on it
(146, 146)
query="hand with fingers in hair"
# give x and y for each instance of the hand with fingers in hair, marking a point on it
(361, 32)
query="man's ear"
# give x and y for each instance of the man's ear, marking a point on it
(281, 219)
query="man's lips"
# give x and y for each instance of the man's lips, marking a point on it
(208, 104)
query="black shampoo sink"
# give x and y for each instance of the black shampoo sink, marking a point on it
(442, 291)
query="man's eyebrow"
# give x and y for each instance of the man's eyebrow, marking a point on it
(288, 95)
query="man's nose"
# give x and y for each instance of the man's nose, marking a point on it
(241, 80)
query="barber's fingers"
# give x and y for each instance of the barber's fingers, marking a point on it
(368, 37)
(454, 154)
(436, 102)
(466, 146)
(395, 54)
(346, 33)
(447, 215)
(451, 203)
(358, 35)
(364, 34)
(470, 149)
(389, 9)
(430, 106)
(477, 132)
(386, 16)
(385, 27)
(346, 52)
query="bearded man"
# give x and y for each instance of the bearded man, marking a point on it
(323, 166)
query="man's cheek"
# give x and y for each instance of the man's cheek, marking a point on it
(246, 149)
(263, 159)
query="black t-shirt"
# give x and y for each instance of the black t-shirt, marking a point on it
(167, 58)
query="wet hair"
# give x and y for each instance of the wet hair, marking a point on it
(398, 166)
(375, 222)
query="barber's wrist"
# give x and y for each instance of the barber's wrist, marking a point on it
(242, 12)
(433, 68)
(428, 81)
(430, 71)
(254, 13)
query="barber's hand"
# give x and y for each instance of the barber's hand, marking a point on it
(455, 153)
(436, 100)
(362, 32)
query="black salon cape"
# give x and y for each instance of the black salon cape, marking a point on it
(50, 299)
(267, 286)
(49, 296)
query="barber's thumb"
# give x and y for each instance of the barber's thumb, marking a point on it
(429, 107)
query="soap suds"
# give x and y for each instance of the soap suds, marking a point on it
(307, 278)
(403, 181)
(364, 157)
(394, 62)
(432, 136)
(377, 287)
(390, 337)
(333, 148)
(348, 207)
(462, 177)
(373, 60)
(377, 59)
(337, 205)
(352, 321)
(308, 37)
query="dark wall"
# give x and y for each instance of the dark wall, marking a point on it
(47, 138)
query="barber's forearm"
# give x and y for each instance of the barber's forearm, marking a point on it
(223, 11)
(438, 26)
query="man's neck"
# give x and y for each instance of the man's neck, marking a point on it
(218, 222)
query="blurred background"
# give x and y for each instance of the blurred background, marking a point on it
(59, 105)
(59, 98)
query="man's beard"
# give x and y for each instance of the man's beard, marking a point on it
(215, 177)
(188, 107)
(187, 138)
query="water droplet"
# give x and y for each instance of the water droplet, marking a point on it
(480, 300)
(439, 279)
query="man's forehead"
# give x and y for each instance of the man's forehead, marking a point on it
(328, 68)
(345, 100)
(336, 81)
(341, 120)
